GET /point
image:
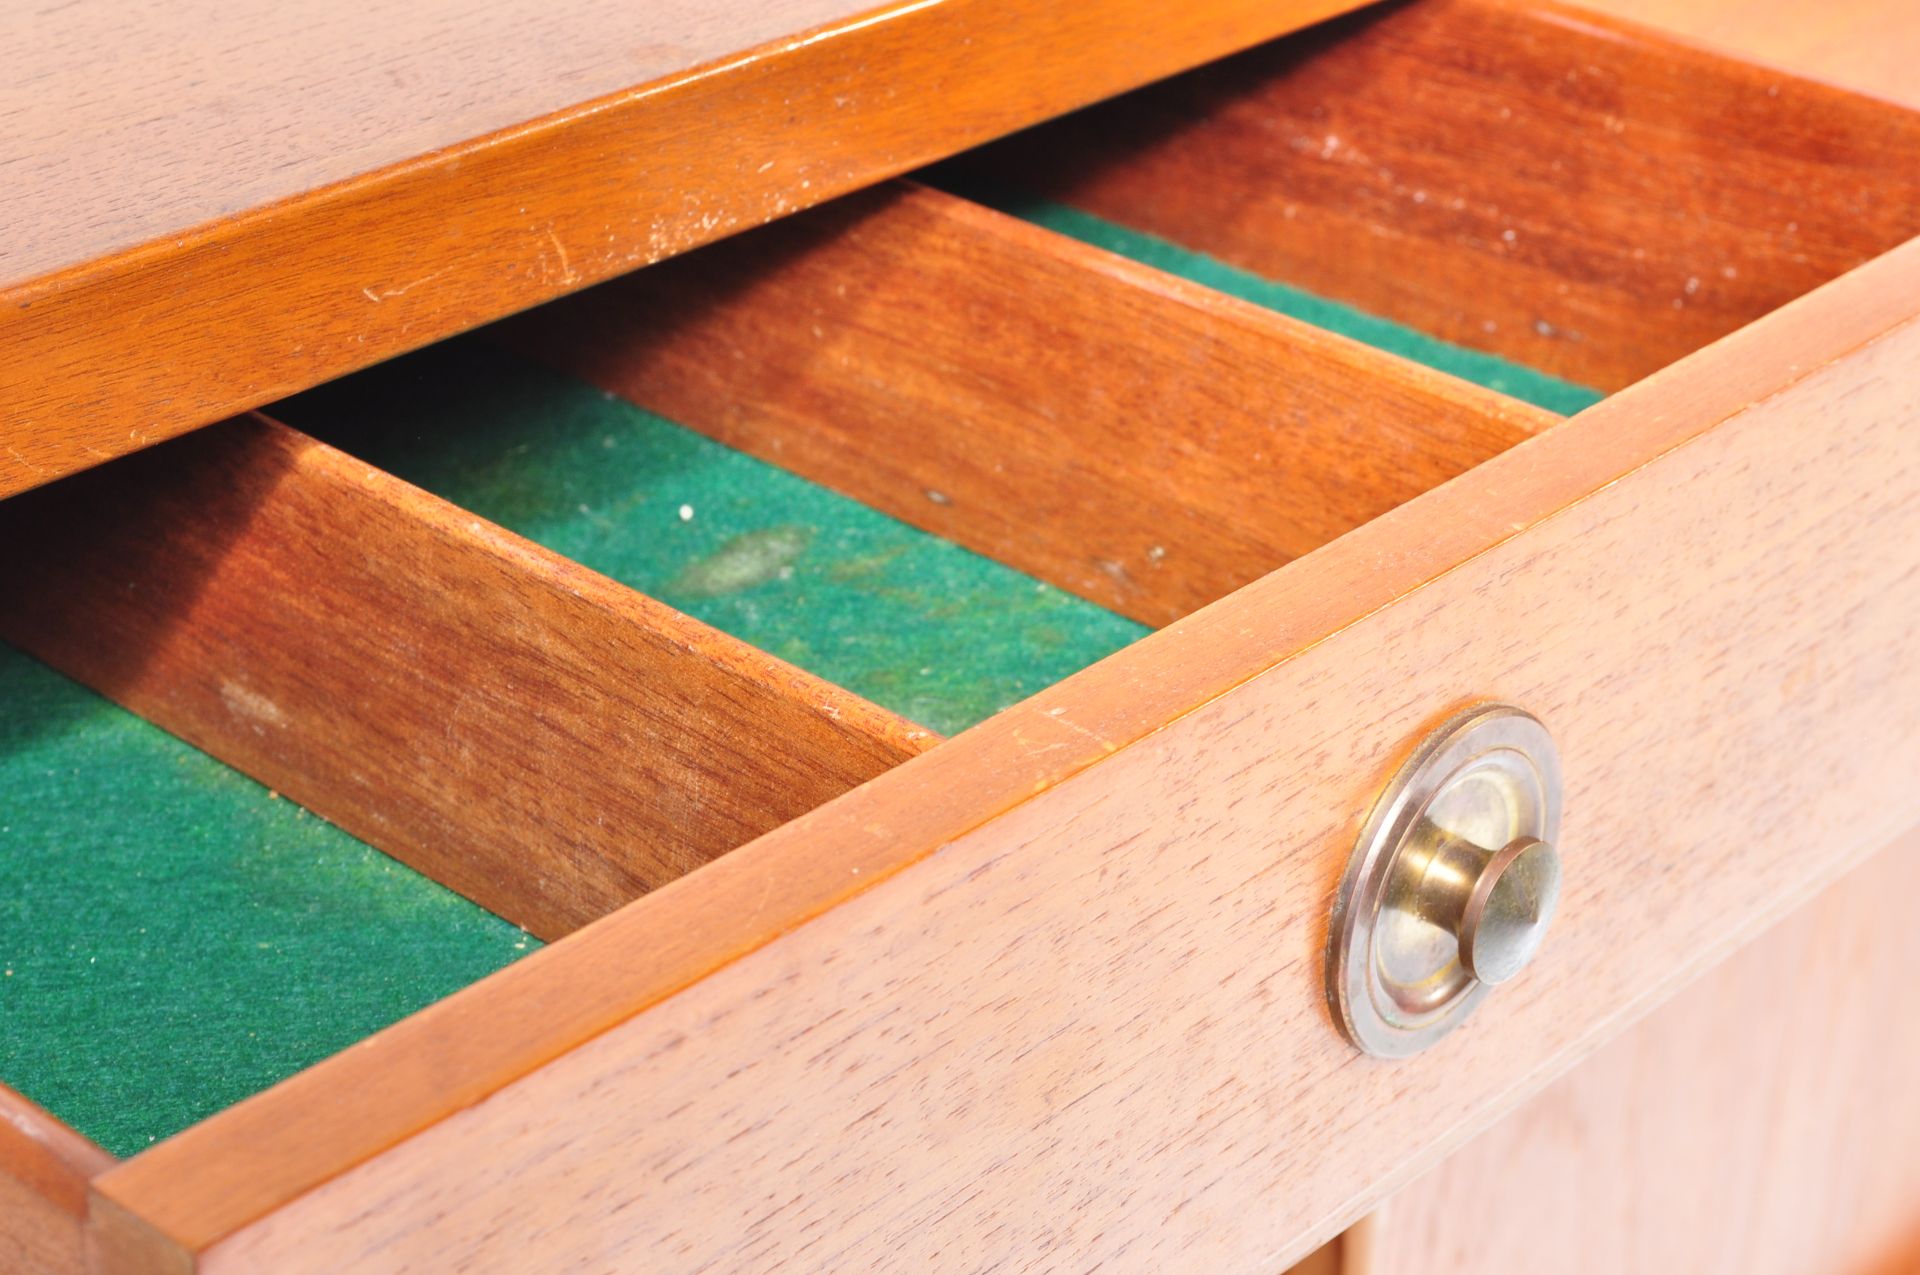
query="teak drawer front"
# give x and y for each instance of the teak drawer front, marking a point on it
(1053, 991)
(1675, 1148)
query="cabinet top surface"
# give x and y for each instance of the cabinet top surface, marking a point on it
(124, 123)
(209, 205)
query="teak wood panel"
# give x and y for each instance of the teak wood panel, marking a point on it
(44, 1171)
(308, 271)
(1141, 441)
(1580, 194)
(1055, 987)
(1870, 46)
(257, 102)
(541, 738)
(1764, 1122)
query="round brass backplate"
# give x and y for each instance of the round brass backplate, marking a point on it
(1455, 869)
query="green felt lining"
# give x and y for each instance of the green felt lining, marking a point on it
(174, 938)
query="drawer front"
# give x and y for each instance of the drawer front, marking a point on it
(1056, 986)
(1761, 1123)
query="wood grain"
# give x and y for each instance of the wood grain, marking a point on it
(1579, 194)
(211, 110)
(285, 271)
(1869, 46)
(44, 1171)
(1143, 442)
(1054, 987)
(1762, 1123)
(544, 740)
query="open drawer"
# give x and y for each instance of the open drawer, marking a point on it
(824, 990)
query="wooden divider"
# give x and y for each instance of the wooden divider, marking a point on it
(1139, 440)
(1583, 195)
(542, 739)
(44, 1170)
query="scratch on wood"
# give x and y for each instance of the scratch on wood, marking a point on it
(36, 468)
(382, 295)
(566, 265)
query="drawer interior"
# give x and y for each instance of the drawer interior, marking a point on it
(1123, 433)
(1588, 198)
(938, 634)
(913, 457)
(1493, 371)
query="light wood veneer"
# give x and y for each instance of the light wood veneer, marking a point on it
(1054, 987)
(1761, 1123)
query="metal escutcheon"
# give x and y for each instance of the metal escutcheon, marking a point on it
(1452, 884)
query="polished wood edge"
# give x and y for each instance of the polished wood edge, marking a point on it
(45, 1167)
(1146, 443)
(233, 1169)
(274, 300)
(120, 1241)
(542, 739)
(1577, 192)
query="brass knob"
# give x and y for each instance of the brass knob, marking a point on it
(1452, 884)
(1496, 903)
